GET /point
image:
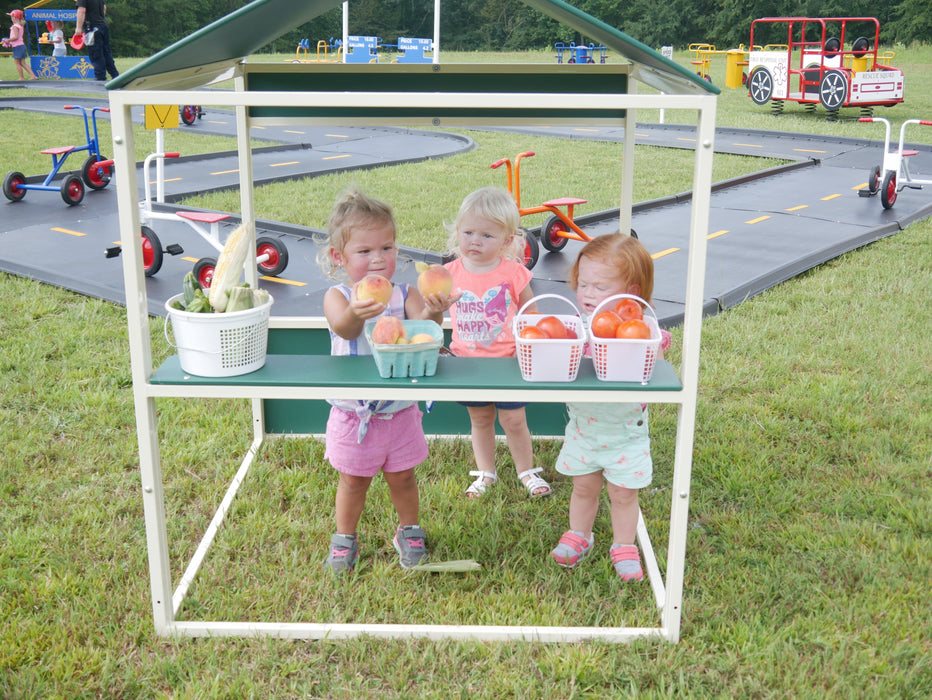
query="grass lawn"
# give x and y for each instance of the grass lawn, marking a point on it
(808, 560)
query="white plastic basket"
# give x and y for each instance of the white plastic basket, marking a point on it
(550, 359)
(622, 359)
(418, 360)
(220, 344)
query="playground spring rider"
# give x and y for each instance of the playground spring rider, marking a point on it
(95, 172)
(895, 167)
(271, 254)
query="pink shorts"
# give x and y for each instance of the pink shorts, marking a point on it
(394, 443)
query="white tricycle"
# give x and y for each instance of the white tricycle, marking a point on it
(893, 174)
(271, 253)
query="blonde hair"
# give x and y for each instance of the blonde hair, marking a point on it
(353, 208)
(627, 254)
(498, 206)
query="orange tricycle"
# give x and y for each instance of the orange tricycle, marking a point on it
(560, 227)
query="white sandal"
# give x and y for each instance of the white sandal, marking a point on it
(535, 482)
(479, 486)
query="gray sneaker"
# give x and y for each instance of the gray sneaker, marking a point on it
(344, 550)
(411, 544)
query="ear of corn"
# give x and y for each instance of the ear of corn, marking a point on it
(229, 266)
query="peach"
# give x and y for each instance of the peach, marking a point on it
(374, 287)
(421, 338)
(389, 330)
(436, 279)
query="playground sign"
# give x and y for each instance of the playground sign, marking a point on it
(49, 66)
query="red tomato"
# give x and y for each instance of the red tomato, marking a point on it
(552, 327)
(571, 334)
(605, 324)
(532, 333)
(633, 330)
(628, 309)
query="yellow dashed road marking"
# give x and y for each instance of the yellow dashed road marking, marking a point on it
(682, 139)
(68, 231)
(717, 234)
(225, 172)
(664, 252)
(830, 197)
(338, 136)
(291, 131)
(860, 187)
(801, 206)
(748, 145)
(757, 220)
(347, 155)
(807, 150)
(278, 165)
(283, 281)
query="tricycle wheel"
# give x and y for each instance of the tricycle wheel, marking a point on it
(550, 236)
(531, 251)
(204, 271)
(873, 182)
(12, 186)
(189, 114)
(278, 256)
(888, 189)
(95, 176)
(72, 190)
(151, 252)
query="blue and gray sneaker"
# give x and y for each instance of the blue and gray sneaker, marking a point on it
(411, 544)
(344, 550)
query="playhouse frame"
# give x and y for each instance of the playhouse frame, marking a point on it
(435, 95)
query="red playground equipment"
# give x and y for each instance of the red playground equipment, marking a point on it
(832, 61)
(559, 228)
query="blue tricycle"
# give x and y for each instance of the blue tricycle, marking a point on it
(95, 173)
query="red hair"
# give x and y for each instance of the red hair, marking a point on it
(627, 254)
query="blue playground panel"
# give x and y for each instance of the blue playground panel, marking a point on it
(362, 49)
(50, 67)
(580, 53)
(413, 50)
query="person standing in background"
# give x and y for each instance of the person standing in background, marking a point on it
(92, 24)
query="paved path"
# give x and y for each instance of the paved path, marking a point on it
(764, 229)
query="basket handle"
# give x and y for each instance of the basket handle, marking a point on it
(546, 296)
(165, 332)
(614, 297)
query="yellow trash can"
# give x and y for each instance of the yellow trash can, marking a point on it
(734, 67)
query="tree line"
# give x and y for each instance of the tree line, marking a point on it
(140, 29)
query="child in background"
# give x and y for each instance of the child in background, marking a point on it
(57, 37)
(15, 42)
(607, 442)
(494, 285)
(364, 437)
